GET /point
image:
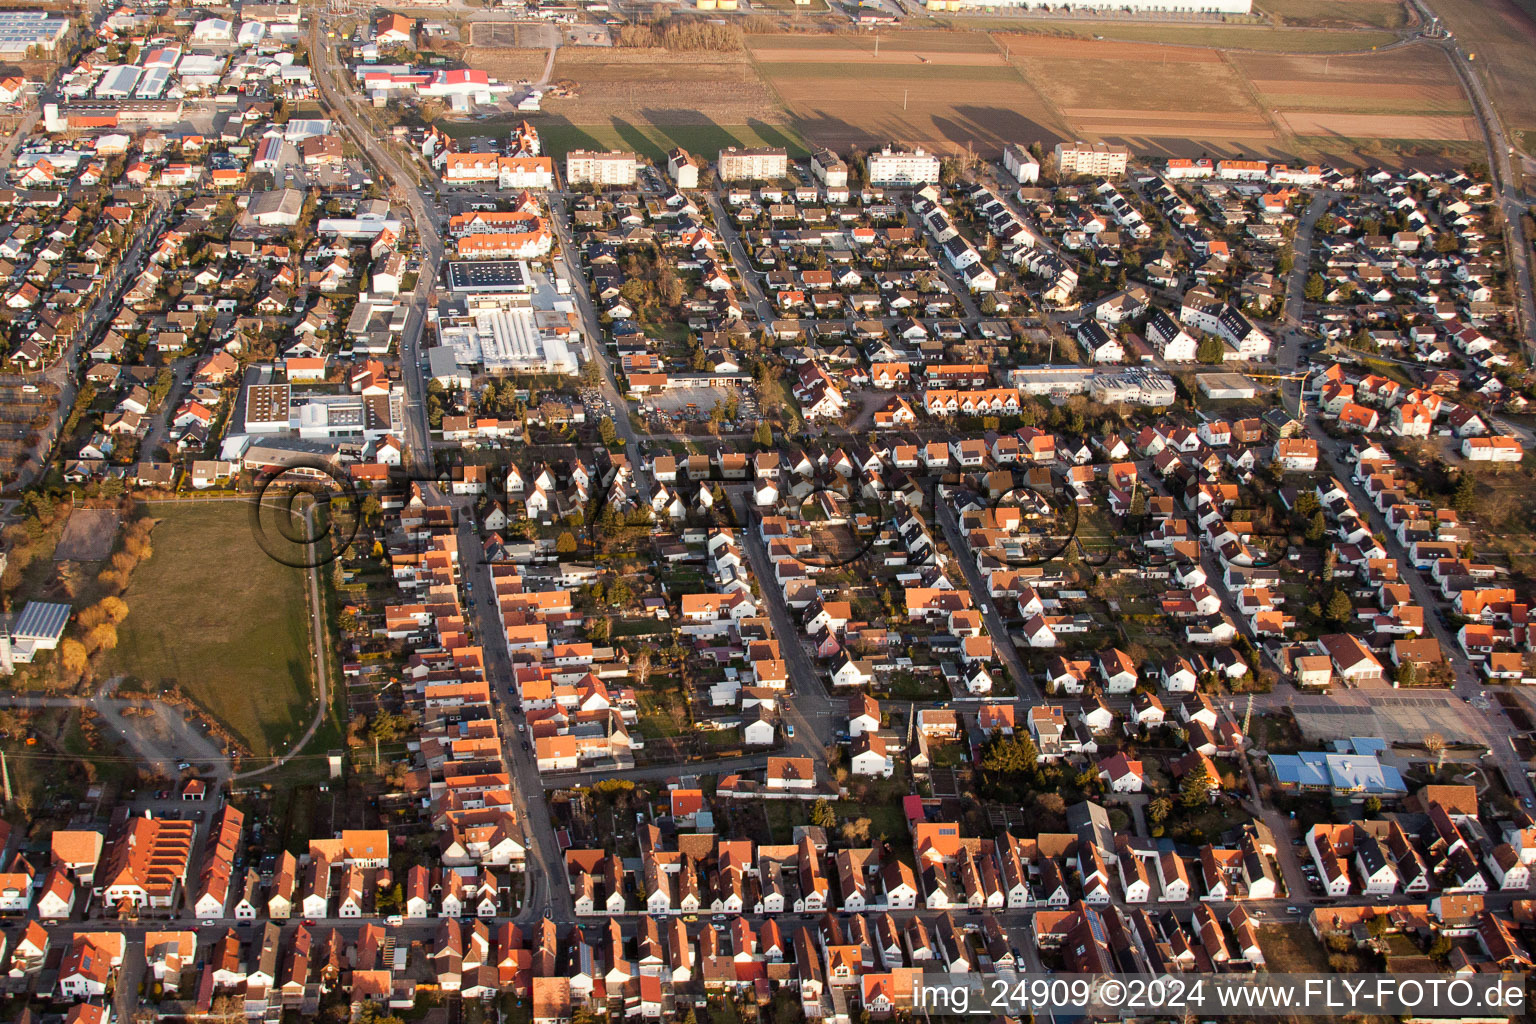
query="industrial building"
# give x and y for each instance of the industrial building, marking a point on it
(489, 277)
(507, 339)
(21, 30)
(320, 415)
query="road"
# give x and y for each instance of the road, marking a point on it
(739, 255)
(65, 370)
(159, 419)
(1296, 284)
(544, 871)
(592, 329)
(549, 63)
(1497, 730)
(1002, 640)
(546, 889)
(1512, 202)
(24, 126)
(658, 772)
(810, 710)
(403, 186)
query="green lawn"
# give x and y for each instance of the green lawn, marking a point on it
(663, 709)
(212, 613)
(1331, 13)
(887, 819)
(1292, 947)
(783, 816)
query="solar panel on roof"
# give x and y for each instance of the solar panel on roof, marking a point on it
(41, 620)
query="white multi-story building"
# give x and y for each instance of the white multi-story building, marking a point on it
(1172, 342)
(1020, 163)
(1228, 323)
(1135, 386)
(829, 169)
(898, 167)
(585, 167)
(1096, 158)
(683, 169)
(752, 164)
(1503, 448)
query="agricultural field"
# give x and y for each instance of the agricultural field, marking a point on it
(507, 63)
(940, 89)
(1142, 94)
(1225, 37)
(1179, 99)
(1501, 35)
(659, 87)
(1409, 93)
(241, 649)
(1224, 89)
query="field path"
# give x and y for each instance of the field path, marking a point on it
(319, 651)
(1057, 46)
(549, 65)
(1265, 110)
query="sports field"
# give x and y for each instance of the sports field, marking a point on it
(212, 613)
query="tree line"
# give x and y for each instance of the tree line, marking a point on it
(684, 35)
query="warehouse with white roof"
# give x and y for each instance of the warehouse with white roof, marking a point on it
(507, 339)
(118, 83)
(21, 30)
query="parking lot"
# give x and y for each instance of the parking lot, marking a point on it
(685, 404)
(1396, 718)
(596, 405)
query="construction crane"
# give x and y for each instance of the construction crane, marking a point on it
(1301, 397)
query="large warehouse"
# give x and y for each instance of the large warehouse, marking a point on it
(21, 30)
(507, 339)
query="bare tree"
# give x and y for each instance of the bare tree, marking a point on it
(1434, 743)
